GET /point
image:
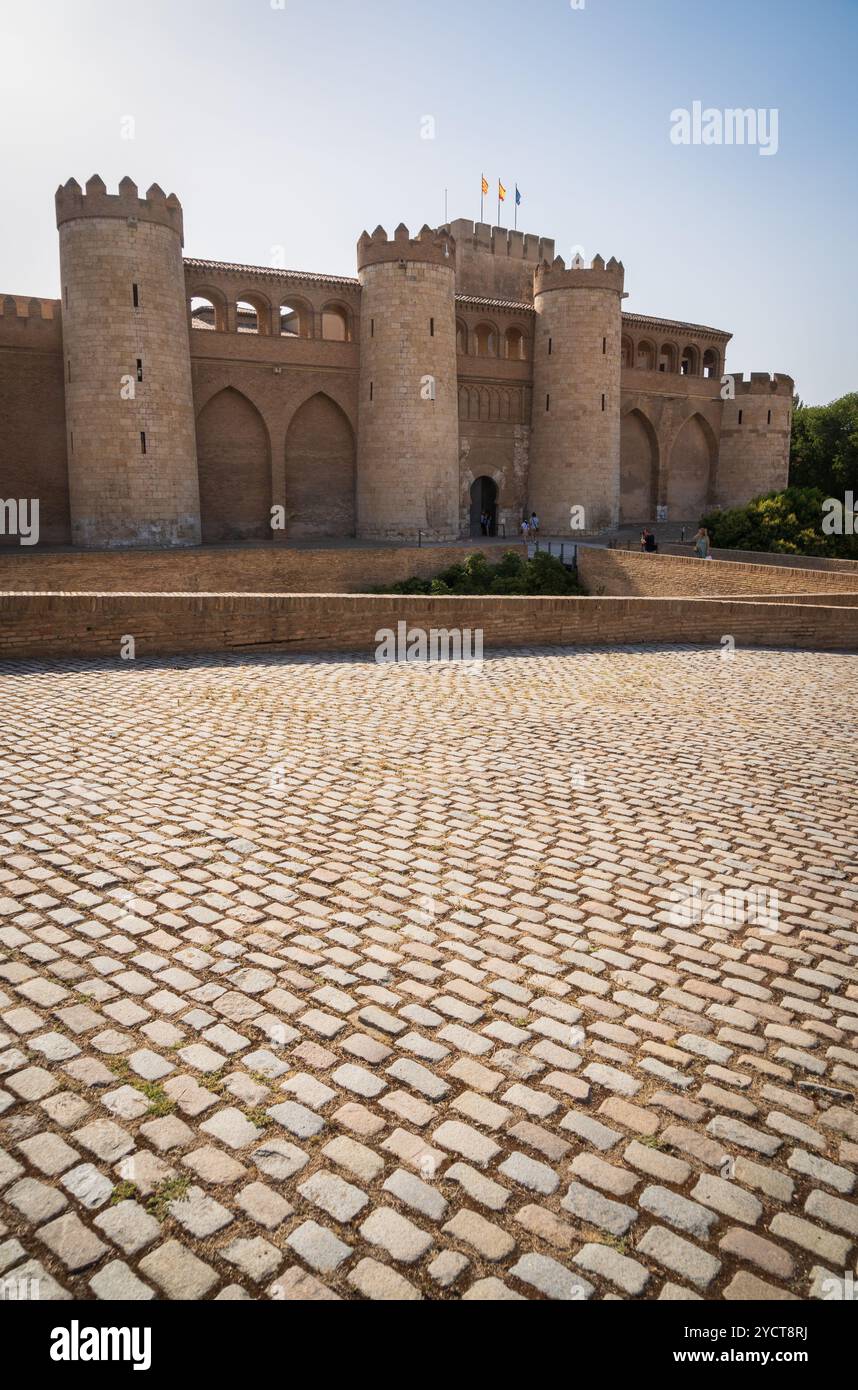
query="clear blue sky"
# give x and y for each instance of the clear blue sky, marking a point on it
(299, 126)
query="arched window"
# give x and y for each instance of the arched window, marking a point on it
(246, 317)
(711, 362)
(486, 340)
(208, 312)
(667, 357)
(295, 320)
(690, 358)
(335, 324)
(514, 344)
(461, 337)
(646, 356)
(253, 314)
(628, 352)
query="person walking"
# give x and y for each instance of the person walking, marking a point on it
(525, 529)
(702, 544)
(534, 523)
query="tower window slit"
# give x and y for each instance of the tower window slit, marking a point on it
(603, 400)
(135, 296)
(548, 402)
(139, 368)
(142, 441)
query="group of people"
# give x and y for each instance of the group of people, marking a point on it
(530, 526)
(702, 542)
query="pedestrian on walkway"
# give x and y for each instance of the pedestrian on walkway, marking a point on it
(702, 544)
(534, 524)
(525, 529)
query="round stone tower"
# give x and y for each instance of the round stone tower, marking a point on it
(575, 441)
(129, 403)
(408, 420)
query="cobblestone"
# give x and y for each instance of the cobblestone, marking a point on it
(242, 1058)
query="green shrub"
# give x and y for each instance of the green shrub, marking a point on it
(512, 575)
(788, 523)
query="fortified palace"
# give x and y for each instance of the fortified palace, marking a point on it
(164, 401)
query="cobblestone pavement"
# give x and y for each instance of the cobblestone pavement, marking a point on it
(320, 979)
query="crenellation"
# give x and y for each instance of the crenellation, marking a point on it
(466, 369)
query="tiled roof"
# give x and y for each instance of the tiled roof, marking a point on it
(233, 267)
(494, 303)
(676, 323)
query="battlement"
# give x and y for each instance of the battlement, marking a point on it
(430, 247)
(502, 241)
(73, 202)
(35, 311)
(762, 384)
(596, 276)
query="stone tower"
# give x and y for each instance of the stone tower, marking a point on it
(129, 404)
(408, 418)
(575, 444)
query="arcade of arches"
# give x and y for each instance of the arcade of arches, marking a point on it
(235, 471)
(653, 472)
(320, 471)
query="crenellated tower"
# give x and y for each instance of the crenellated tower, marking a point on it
(408, 421)
(575, 444)
(756, 429)
(129, 403)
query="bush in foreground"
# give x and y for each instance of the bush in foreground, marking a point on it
(514, 575)
(789, 523)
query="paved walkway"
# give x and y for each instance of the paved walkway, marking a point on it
(321, 979)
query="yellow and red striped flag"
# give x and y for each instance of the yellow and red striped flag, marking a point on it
(485, 185)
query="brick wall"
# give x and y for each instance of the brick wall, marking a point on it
(766, 557)
(266, 569)
(41, 625)
(624, 572)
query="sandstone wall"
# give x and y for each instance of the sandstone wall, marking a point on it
(42, 625)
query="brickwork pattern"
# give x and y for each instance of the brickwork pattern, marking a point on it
(623, 572)
(575, 444)
(120, 495)
(408, 417)
(66, 624)
(324, 980)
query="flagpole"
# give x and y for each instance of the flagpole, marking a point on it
(515, 223)
(482, 198)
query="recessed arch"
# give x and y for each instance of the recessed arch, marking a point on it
(320, 470)
(668, 358)
(207, 308)
(234, 468)
(691, 470)
(515, 345)
(253, 313)
(712, 363)
(461, 337)
(336, 323)
(295, 318)
(627, 351)
(485, 339)
(690, 365)
(645, 356)
(638, 468)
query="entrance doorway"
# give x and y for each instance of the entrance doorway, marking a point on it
(484, 500)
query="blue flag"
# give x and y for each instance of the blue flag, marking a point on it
(517, 197)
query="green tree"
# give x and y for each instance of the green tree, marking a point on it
(824, 450)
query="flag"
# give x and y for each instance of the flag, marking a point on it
(485, 185)
(517, 197)
(501, 192)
